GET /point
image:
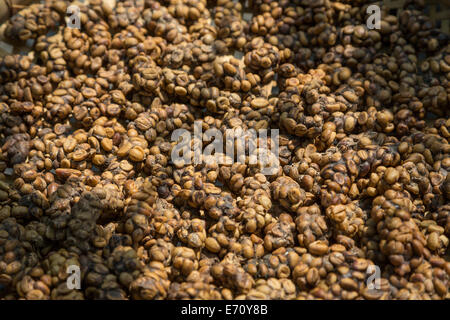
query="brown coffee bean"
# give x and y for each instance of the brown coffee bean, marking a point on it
(259, 103)
(137, 154)
(391, 175)
(318, 248)
(212, 245)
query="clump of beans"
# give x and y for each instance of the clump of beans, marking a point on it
(88, 180)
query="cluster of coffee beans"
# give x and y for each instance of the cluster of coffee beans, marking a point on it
(358, 208)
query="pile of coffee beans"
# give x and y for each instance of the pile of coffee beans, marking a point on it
(93, 204)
